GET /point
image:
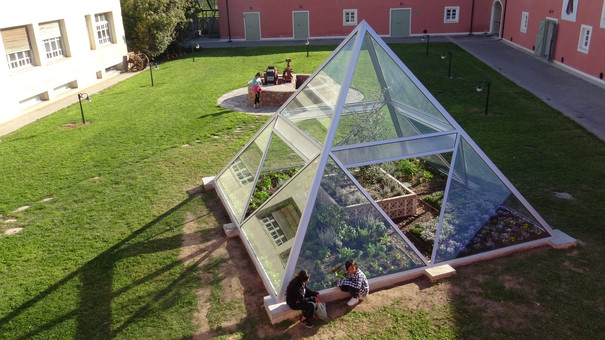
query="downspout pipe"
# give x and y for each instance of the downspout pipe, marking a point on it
(470, 31)
(228, 23)
(501, 33)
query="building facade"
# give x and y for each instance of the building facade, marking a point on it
(275, 19)
(54, 49)
(571, 33)
(568, 32)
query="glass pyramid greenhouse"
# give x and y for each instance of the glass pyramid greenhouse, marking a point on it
(362, 162)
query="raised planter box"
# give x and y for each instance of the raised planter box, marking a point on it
(277, 95)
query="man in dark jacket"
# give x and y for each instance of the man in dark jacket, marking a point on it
(299, 297)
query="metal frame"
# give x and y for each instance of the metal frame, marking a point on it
(363, 33)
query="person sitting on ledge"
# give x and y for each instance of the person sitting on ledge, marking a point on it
(356, 283)
(299, 297)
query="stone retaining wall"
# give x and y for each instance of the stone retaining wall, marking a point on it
(276, 95)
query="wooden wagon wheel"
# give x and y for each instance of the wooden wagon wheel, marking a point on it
(137, 62)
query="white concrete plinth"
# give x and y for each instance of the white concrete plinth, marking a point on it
(209, 183)
(231, 230)
(561, 240)
(279, 312)
(439, 273)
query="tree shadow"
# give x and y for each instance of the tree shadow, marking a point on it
(93, 314)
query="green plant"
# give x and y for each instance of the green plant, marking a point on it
(324, 253)
(435, 199)
(346, 253)
(408, 168)
(370, 249)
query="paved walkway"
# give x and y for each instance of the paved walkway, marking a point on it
(575, 97)
(66, 99)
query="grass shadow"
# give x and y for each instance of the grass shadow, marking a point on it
(93, 315)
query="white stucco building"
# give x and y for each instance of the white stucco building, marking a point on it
(53, 49)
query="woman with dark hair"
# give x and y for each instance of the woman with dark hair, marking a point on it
(356, 283)
(299, 297)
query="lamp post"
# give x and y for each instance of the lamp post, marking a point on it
(480, 88)
(194, 46)
(307, 43)
(87, 98)
(428, 41)
(449, 66)
(154, 64)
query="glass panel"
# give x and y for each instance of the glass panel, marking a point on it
(410, 191)
(280, 164)
(237, 181)
(271, 230)
(297, 139)
(413, 104)
(345, 225)
(312, 108)
(481, 213)
(363, 117)
(395, 150)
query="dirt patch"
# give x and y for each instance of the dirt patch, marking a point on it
(73, 125)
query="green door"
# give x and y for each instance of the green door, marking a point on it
(400, 22)
(539, 49)
(545, 39)
(301, 25)
(252, 23)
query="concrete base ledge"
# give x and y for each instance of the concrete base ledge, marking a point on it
(561, 240)
(279, 312)
(439, 273)
(231, 230)
(209, 183)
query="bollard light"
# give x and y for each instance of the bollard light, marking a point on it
(307, 43)
(449, 66)
(426, 37)
(480, 89)
(151, 63)
(87, 98)
(194, 46)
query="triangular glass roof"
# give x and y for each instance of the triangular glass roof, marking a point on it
(362, 162)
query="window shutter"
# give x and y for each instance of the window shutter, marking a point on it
(15, 39)
(50, 30)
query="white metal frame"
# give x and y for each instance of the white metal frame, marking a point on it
(327, 152)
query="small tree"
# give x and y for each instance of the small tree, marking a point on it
(150, 24)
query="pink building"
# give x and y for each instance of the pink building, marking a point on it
(568, 32)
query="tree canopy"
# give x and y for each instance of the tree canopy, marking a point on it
(150, 25)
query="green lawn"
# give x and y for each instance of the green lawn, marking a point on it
(100, 259)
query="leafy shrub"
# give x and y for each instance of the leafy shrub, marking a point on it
(346, 253)
(435, 199)
(408, 167)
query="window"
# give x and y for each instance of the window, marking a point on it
(17, 47)
(241, 172)
(103, 29)
(524, 20)
(349, 17)
(584, 42)
(51, 38)
(274, 230)
(451, 14)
